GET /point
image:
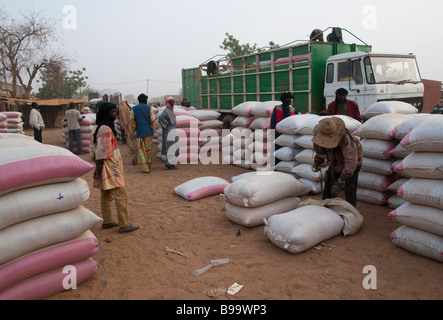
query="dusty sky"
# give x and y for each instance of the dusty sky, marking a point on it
(123, 44)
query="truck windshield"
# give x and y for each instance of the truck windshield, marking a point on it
(391, 70)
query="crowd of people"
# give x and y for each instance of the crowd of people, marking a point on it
(332, 143)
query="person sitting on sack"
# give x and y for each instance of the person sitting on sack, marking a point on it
(343, 152)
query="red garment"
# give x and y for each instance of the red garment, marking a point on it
(353, 110)
(279, 116)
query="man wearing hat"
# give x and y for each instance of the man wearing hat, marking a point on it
(341, 105)
(281, 112)
(343, 152)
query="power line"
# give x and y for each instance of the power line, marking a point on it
(135, 81)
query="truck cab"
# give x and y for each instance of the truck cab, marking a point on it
(373, 77)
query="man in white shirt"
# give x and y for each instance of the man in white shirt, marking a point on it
(73, 117)
(36, 122)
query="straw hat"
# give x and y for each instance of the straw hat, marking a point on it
(328, 132)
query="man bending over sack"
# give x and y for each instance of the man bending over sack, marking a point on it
(343, 151)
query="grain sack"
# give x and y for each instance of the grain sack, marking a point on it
(48, 258)
(428, 165)
(383, 107)
(378, 149)
(290, 124)
(300, 229)
(204, 115)
(252, 217)
(304, 170)
(305, 156)
(381, 126)
(265, 109)
(255, 191)
(420, 217)
(407, 126)
(30, 235)
(201, 187)
(374, 181)
(242, 121)
(260, 123)
(304, 141)
(315, 187)
(350, 123)
(245, 108)
(420, 242)
(38, 164)
(8, 140)
(380, 166)
(423, 191)
(287, 153)
(210, 124)
(351, 216)
(428, 136)
(286, 140)
(400, 152)
(286, 166)
(42, 200)
(308, 125)
(396, 184)
(373, 196)
(48, 284)
(395, 201)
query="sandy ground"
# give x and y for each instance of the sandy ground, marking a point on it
(137, 266)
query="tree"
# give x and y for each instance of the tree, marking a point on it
(236, 49)
(25, 48)
(59, 83)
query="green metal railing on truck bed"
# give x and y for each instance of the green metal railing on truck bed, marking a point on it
(264, 76)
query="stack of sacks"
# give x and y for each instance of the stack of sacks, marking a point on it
(86, 127)
(189, 136)
(3, 123)
(14, 122)
(255, 197)
(287, 128)
(210, 130)
(261, 146)
(241, 136)
(377, 169)
(313, 222)
(400, 153)
(422, 214)
(43, 224)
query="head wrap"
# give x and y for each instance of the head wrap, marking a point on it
(169, 98)
(328, 132)
(342, 91)
(286, 95)
(103, 118)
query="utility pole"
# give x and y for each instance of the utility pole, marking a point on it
(147, 87)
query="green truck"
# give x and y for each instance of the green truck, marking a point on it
(311, 70)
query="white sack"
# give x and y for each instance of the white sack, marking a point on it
(255, 191)
(252, 217)
(303, 228)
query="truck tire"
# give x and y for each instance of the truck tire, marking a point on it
(227, 120)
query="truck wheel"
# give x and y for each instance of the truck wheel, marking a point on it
(227, 120)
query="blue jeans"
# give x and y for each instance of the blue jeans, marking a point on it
(78, 135)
